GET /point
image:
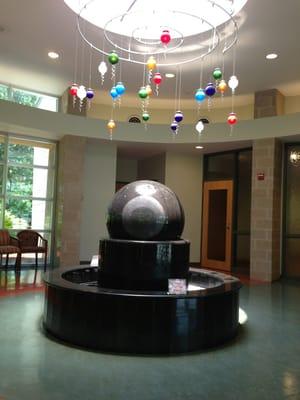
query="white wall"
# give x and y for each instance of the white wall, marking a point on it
(126, 170)
(152, 168)
(98, 190)
(24, 120)
(184, 177)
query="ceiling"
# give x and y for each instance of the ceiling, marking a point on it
(31, 28)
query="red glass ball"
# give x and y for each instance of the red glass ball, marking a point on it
(73, 90)
(157, 78)
(165, 36)
(232, 119)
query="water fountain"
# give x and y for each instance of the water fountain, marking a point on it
(142, 298)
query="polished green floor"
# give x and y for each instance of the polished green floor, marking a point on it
(263, 364)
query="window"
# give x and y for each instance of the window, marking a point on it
(134, 120)
(27, 172)
(28, 98)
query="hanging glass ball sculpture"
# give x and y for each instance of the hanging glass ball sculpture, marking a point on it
(157, 78)
(120, 88)
(102, 68)
(233, 83)
(210, 90)
(73, 89)
(110, 126)
(151, 63)
(165, 36)
(143, 93)
(149, 90)
(178, 117)
(113, 58)
(200, 95)
(222, 86)
(199, 127)
(146, 116)
(217, 74)
(81, 92)
(232, 119)
(174, 126)
(90, 94)
(113, 92)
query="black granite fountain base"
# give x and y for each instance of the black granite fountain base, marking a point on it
(79, 311)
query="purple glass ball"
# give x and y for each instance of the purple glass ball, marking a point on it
(174, 126)
(90, 94)
(178, 117)
(210, 90)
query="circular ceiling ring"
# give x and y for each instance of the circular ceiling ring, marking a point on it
(215, 41)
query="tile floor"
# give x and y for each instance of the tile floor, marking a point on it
(262, 364)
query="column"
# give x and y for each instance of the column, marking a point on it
(266, 210)
(69, 199)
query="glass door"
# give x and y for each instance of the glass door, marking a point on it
(291, 238)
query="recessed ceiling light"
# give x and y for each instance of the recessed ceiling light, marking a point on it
(169, 75)
(53, 55)
(198, 147)
(271, 56)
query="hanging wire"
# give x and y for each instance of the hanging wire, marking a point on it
(76, 54)
(179, 91)
(144, 71)
(90, 71)
(176, 90)
(82, 56)
(234, 59)
(201, 73)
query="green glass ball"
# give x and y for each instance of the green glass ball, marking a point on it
(217, 74)
(145, 116)
(143, 93)
(113, 58)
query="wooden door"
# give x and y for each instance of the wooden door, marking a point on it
(217, 225)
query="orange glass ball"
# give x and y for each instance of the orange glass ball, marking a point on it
(222, 86)
(111, 124)
(232, 119)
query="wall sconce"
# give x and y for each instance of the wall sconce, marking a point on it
(295, 158)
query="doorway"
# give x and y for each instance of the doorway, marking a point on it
(217, 225)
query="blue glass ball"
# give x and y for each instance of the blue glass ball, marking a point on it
(174, 126)
(120, 88)
(200, 95)
(90, 94)
(113, 92)
(210, 90)
(178, 117)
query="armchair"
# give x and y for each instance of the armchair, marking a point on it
(32, 242)
(9, 245)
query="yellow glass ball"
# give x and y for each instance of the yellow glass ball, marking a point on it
(111, 124)
(222, 86)
(151, 63)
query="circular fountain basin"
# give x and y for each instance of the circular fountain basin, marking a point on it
(80, 312)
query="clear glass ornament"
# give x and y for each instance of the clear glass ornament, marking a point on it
(102, 68)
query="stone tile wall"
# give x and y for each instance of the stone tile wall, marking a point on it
(266, 210)
(268, 103)
(69, 199)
